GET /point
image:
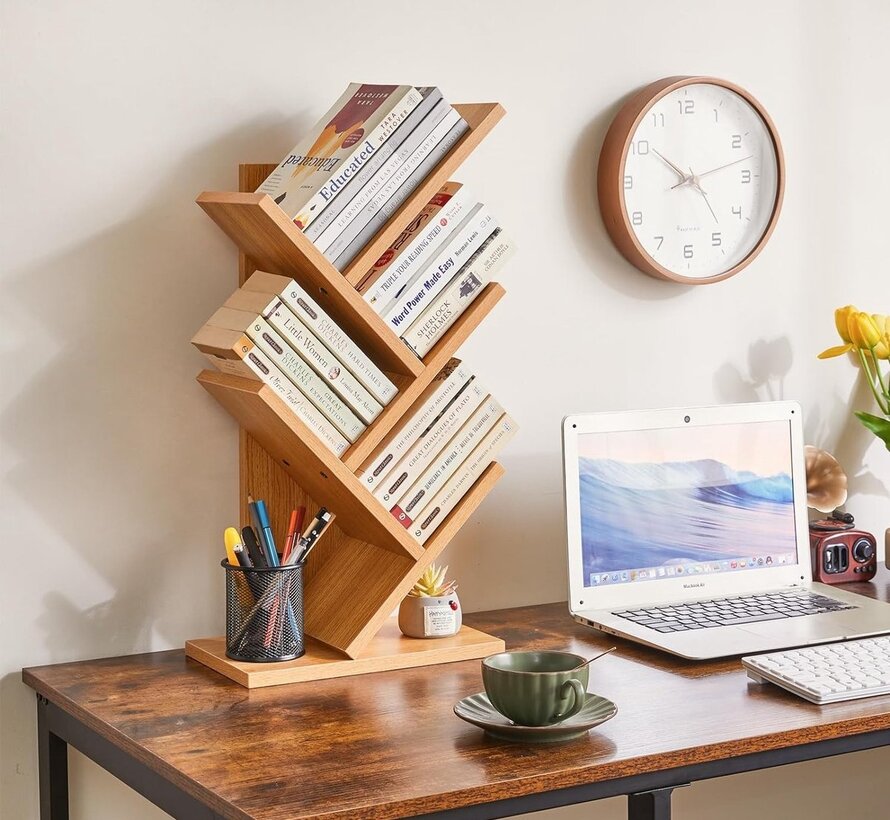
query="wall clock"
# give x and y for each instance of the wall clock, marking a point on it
(690, 179)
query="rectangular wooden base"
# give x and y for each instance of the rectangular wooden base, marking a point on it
(387, 651)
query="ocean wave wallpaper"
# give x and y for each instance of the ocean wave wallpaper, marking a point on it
(667, 497)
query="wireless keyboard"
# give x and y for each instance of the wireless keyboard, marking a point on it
(827, 673)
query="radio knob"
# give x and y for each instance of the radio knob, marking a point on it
(863, 551)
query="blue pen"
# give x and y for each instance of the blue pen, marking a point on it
(260, 518)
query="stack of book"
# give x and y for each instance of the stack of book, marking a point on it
(272, 330)
(449, 436)
(436, 267)
(360, 162)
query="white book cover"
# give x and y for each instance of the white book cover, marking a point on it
(255, 364)
(412, 503)
(461, 482)
(444, 311)
(441, 392)
(383, 194)
(304, 377)
(341, 142)
(419, 247)
(431, 442)
(322, 360)
(377, 183)
(433, 277)
(307, 309)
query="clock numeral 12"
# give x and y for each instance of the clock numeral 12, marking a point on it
(686, 106)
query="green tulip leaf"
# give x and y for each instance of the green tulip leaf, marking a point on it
(880, 427)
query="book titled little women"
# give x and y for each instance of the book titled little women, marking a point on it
(336, 149)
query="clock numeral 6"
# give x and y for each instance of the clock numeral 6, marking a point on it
(716, 239)
(640, 147)
(737, 211)
(686, 106)
(660, 241)
(736, 140)
(628, 182)
(687, 252)
(746, 176)
(637, 218)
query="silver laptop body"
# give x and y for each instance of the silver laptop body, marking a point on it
(691, 506)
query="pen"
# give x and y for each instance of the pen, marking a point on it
(295, 525)
(319, 524)
(253, 547)
(260, 520)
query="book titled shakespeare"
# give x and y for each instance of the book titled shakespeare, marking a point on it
(337, 148)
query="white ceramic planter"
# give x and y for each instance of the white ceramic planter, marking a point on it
(430, 617)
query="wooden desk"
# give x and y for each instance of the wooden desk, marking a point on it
(387, 745)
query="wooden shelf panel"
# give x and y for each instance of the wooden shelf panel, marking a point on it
(481, 117)
(389, 650)
(273, 243)
(316, 469)
(434, 361)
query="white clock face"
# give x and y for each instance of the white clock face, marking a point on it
(700, 180)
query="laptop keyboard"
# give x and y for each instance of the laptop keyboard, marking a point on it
(769, 606)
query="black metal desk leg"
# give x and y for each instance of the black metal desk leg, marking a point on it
(52, 756)
(655, 805)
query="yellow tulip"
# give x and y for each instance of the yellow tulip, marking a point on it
(842, 321)
(882, 348)
(863, 331)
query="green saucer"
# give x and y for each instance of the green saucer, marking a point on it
(477, 709)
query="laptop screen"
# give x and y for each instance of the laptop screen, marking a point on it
(686, 501)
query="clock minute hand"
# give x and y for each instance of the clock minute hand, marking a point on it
(721, 167)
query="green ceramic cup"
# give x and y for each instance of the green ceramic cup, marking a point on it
(535, 688)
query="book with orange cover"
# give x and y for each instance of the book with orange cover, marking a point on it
(320, 166)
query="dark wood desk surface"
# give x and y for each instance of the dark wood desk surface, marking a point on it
(387, 744)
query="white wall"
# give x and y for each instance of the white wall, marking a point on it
(119, 473)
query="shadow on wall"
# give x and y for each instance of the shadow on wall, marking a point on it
(583, 215)
(834, 429)
(114, 448)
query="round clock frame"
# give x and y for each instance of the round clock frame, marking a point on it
(610, 177)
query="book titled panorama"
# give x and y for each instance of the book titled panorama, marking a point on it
(340, 144)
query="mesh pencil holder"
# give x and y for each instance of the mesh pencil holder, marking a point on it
(264, 613)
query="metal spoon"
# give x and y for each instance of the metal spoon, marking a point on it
(591, 660)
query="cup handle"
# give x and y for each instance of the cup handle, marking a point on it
(578, 693)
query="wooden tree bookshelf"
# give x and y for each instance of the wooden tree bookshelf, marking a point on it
(366, 564)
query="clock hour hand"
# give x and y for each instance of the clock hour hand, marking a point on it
(678, 171)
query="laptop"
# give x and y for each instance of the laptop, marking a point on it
(688, 532)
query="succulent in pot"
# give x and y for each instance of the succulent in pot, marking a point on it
(431, 609)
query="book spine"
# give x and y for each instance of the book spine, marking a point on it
(307, 309)
(254, 364)
(418, 458)
(404, 191)
(314, 205)
(385, 183)
(355, 183)
(323, 361)
(440, 226)
(443, 311)
(381, 196)
(446, 386)
(433, 278)
(461, 482)
(410, 506)
(304, 377)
